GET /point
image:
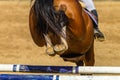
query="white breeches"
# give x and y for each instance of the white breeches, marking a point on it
(89, 4)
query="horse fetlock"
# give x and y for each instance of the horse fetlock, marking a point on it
(50, 51)
(59, 49)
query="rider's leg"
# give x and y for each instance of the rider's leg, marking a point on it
(89, 4)
(98, 34)
(91, 7)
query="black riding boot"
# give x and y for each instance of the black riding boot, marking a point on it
(97, 33)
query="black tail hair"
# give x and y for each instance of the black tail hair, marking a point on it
(48, 17)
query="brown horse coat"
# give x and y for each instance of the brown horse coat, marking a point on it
(80, 34)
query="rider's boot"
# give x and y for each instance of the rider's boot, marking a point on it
(97, 33)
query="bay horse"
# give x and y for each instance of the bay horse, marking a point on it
(65, 28)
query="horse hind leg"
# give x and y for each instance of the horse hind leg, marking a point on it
(58, 48)
(63, 20)
(89, 57)
(80, 63)
(61, 48)
(88, 60)
(49, 46)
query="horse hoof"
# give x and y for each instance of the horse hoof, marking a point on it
(59, 49)
(50, 51)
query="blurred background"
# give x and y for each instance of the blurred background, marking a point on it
(17, 47)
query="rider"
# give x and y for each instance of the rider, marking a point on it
(89, 5)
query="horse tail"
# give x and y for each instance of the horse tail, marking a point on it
(48, 17)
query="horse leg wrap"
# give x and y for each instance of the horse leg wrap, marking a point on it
(61, 48)
(49, 47)
(63, 40)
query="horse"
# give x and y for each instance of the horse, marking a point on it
(65, 28)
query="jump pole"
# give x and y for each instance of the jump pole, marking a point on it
(59, 69)
(55, 77)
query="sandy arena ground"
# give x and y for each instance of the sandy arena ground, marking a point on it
(17, 47)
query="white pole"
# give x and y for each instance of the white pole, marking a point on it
(89, 77)
(6, 67)
(9, 67)
(97, 69)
